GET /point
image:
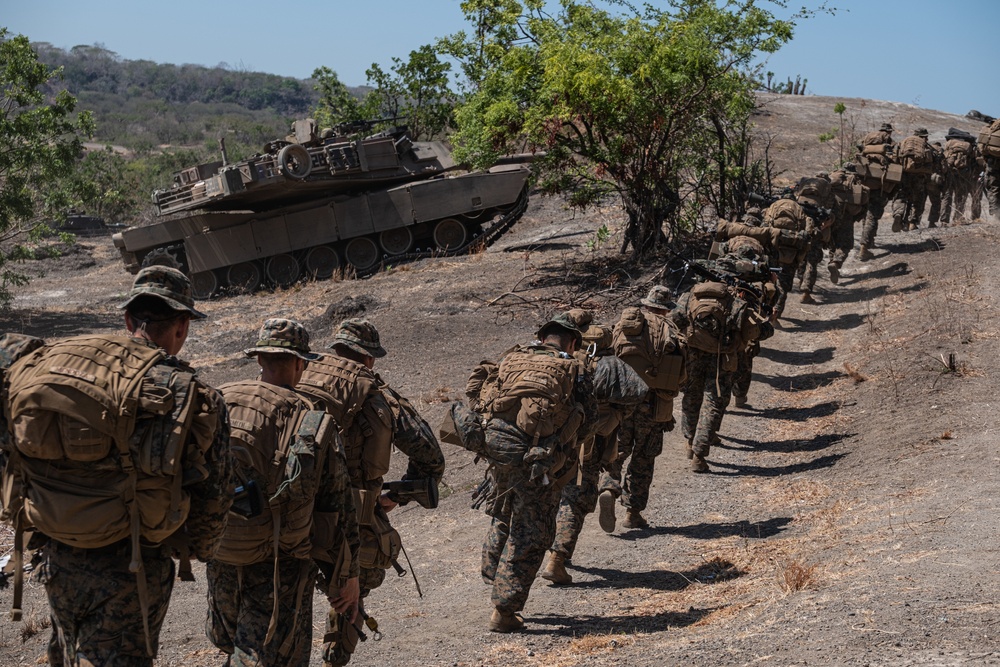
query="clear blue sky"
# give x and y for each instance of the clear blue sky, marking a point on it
(936, 54)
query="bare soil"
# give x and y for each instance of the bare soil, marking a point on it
(851, 514)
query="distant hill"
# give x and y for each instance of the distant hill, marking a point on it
(140, 104)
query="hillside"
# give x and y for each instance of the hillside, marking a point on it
(850, 518)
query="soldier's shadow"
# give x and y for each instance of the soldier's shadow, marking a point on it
(845, 321)
(594, 624)
(803, 382)
(897, 269)
(743, 470)
(712, 531)
(793, 358)
(815, 444)
(819, 410)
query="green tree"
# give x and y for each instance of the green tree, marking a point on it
(40, 142)
(416, 91)
(104, 185)
(630, 102)
(336, 103)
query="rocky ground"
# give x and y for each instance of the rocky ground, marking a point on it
(850, 517)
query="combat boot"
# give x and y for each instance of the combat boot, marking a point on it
(807, 297)
(738, 402)
(834, 273)
(505, 621)
(912, 227)
(633, 519)
(698, 464)
(897, 223)
(688, 450)
(555, 569)
(606, 518)
(864, 254)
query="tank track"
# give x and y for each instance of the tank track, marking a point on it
(487, 238)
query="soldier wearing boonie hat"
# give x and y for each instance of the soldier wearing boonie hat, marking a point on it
(281, 336)
(564, 321)
(360, 336)
(659, 298)
(167, 284)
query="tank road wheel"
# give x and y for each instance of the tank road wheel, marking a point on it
(283, 270)
(163, 257)
(244, 277)
(295, 161)
(204, 284)
(450, 234)
(322, 261)
(361, 252)
(396, 241)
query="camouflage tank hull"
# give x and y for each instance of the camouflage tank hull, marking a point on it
(350, 232)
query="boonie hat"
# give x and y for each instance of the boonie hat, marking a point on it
(166, 283)
(920, 132)
(565, 321)
(281, 336)
(886, 127)
(659, 297)
(360, 335)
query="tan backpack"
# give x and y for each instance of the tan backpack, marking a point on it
(958, 154)
(916, 156)
(815, 191)
(99, 427)
(989, 140)
(281, 444)
(709, 309)
(647, 343)
(786, 214)
(536, 390)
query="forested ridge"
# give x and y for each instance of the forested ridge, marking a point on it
(140, 104)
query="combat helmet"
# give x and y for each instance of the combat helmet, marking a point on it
(561, 321)
(745, 247)
(753, 217)
(359, 335)
(281, 336)
(886, 127)
(166, 283)
(920, 132)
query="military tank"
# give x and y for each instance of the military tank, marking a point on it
(316, 203)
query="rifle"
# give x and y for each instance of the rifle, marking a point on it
(745, 289)
(423, 491)
(815, 212)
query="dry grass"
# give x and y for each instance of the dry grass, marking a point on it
(34, 624)
(854, 374)
(794, 575)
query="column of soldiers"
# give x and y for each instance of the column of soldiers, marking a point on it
(116, 460)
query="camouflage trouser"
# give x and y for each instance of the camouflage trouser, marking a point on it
(579, 498)
(744, 370)
(640, 440)
(808, 269)
(341, 638)
(785, 281)
(959, 188)
(94, 604)
(908, 204)
(518, 539)
(877, 201)
(935, 195)
(240, 606)
(992, 186)
(841, 241)
(706, 397)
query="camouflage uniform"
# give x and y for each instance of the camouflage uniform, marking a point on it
(936, 184)
(961, 184)
(93, 596)
(879, 198)
(525, 500)
(908, 203)
(842, 232)
(808, 270)
(241, 597)
(710, 375)
(992, 185)
(640, 440)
